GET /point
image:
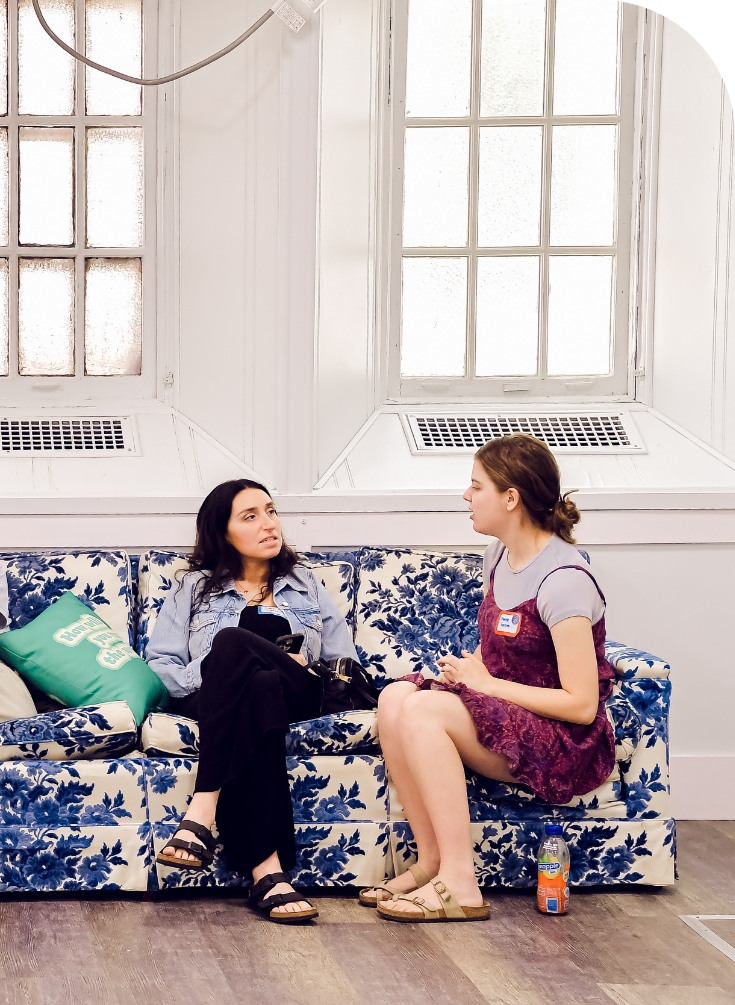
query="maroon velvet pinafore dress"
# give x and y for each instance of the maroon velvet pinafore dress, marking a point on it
(557, 760)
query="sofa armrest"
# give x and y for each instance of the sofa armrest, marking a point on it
(635, 663)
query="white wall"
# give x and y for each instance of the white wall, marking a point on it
(693, 365)
(246, 220)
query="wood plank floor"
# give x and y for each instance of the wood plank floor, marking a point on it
(621, 946)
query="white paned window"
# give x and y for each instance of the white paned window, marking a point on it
(512, 176)
(75, 211)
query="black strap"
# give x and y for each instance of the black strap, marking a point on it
(267, 883)
(277, 899)
(198, 830)
(196, 849)
(362, 688)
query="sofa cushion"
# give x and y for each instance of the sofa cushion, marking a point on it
(106, 730)
(414, 606)
(157, 576)
(15, 698)
(100, 579)
(77, 659)
(166, 735)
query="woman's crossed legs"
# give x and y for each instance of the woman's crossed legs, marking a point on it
(428, 738)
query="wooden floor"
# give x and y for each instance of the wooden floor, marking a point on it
(627, 947)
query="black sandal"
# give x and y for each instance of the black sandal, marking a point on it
(265, 904)
(204, 851)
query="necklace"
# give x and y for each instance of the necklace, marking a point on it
(250, 595)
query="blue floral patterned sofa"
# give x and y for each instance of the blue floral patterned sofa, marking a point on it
(86, 800)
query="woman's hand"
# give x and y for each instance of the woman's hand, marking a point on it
(469, 670)
(299, 658)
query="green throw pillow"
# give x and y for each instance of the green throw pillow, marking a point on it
(74, 657)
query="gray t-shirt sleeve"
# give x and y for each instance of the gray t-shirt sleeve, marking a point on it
(492, 553)
(569, 593)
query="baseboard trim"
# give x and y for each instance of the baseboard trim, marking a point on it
(702, 788)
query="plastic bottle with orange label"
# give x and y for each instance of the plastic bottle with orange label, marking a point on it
(553, 872)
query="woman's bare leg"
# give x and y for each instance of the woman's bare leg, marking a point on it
(439, 741)
(390, 725)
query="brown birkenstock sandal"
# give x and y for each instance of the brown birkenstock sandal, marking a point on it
(265, 904)
(204, 852)
(420, 878)
(451, 909)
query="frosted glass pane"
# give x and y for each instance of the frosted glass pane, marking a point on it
(46, 158)
(435, 194)
(434, 317)
(4, 168)
(513, 57)
(580, 315)
(507, 316)
(583, 183)
(438, 57)
(509, 210)
(4, 319)
(46, 316)
(115, 187)
(45, 72)
(114, 32)
(3, 57)
(112, 316)
(586, 57)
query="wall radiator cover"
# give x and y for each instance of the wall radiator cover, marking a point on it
(592, 432)
(83, 435)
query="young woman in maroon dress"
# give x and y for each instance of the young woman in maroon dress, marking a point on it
(528, 706)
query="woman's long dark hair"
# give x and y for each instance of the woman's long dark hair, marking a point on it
(214, 555)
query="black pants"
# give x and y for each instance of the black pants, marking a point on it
(251, 690)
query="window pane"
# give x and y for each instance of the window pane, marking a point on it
(4, 167)
(438, 57)
(586, 57)
(112, 316)
(509, 209)
(583, 185)
(46, 316)
(114, 31)
(580, 315)
(435, 178)
(115, 187)
(3, 57)
(507, 316)
(46, 156)
(4, 317)
(513, 57)
(45, 72)
(434, 317)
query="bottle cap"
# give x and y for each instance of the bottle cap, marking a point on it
(553, 828)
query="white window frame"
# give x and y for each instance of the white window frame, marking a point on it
(17, 389)
(620, 383)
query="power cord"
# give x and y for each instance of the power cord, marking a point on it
(280, 8)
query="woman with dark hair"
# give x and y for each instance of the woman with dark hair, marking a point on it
(528, 706)
(213, 646)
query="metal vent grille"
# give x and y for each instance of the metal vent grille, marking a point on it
(560, 432)
(89, 435)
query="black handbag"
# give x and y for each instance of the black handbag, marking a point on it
(346, 686)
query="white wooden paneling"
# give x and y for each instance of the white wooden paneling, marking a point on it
(694, 326)
(348, 172)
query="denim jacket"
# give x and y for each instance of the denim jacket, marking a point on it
(182, 638)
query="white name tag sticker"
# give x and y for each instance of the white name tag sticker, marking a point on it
(509, 623)
(262, 609)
